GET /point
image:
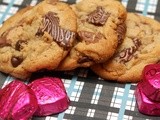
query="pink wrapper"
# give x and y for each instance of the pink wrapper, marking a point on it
(17, 101)
(145, 105)
(151, 82)
(51, 96)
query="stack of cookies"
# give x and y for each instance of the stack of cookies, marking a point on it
(99, 34)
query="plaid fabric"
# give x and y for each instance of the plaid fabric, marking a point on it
(91, 97)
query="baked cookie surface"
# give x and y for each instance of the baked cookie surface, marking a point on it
(140, 47)
(36, 38)
(100, 28)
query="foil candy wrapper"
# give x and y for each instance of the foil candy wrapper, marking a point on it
(51, 96)
(17, 102)
(145, 105)
(151, 82)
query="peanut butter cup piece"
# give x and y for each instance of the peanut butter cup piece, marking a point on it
(98, 16)
(62, 36)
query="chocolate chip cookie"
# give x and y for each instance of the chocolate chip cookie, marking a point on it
(100, 29)
(140, 47)
(37, 38)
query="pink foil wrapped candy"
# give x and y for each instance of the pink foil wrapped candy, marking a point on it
(17, 102)
(51, 96)
(151, 82)
(145, 105)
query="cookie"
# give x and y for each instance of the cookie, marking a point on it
(11, 20)
(37, 38)
(139, 48)
(100, 28)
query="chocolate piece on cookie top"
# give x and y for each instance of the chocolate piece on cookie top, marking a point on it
(16, 61)
(98, 16)
(51, 25)
(19, 44)
(121, 31)
(127, 54)
(89, 37)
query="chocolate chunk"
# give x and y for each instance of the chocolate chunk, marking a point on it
(49, 20)
(128, 53)
(84, 59)
(51, 25)
(64, 37)
(89, 37)
(121, 31)
(3, 42)
(19, 44)
(98, 16)
(15, 61)
(137, 42)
